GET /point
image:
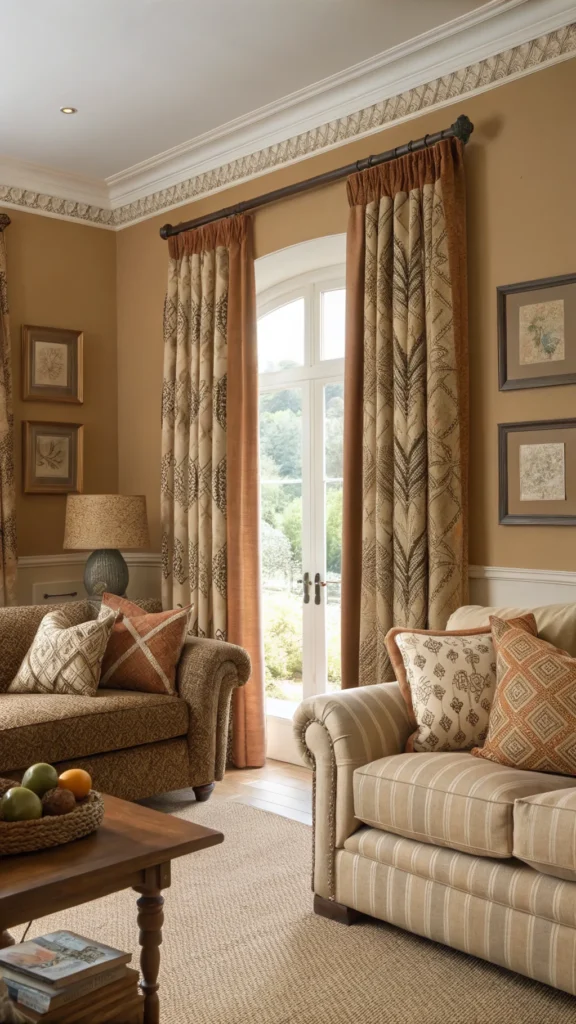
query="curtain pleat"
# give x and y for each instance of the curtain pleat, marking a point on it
(405, 557)
(210, 479)
(8, 553)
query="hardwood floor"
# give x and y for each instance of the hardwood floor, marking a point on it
(282, 788)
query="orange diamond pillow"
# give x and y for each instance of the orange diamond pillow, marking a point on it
(144, 648)
(533, 717)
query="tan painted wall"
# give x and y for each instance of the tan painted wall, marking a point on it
(522, 223)
(62, 274)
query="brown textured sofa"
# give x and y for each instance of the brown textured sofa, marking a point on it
(455, 848)
(133, 744)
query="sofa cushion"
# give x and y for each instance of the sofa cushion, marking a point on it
(545, 833)
(556, 623)
(144, 648)
(58, 727)
(450, 799)
(18, 628)
(507, 883)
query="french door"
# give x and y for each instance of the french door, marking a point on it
(301, 349)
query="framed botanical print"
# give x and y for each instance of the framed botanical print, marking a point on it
(52, 365)
(537, 333)
(537, 473)
(53, 457)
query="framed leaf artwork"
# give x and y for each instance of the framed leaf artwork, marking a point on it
(537, 471)
(52, 365)
(537, 333)
(53, 457)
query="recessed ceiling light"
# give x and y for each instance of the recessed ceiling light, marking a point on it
(68, 110)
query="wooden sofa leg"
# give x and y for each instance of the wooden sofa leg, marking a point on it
(335, 911)
(203, 792)
(6, 939)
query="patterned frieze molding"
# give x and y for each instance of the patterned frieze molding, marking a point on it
(475, 78)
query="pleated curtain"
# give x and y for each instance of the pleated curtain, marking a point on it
(8, 554)
(210, 477)
(405, 544)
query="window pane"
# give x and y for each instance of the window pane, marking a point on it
(281, 435)
(281, 338)
(281, 527)
(334, 430)
(333, 322)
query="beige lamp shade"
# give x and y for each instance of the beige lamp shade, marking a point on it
(96, 521)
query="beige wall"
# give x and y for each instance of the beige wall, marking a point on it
(62, 274)
(522, 220)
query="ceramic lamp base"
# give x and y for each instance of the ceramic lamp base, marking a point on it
(105, 572)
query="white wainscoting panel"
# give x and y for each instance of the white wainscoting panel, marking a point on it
(521, 588)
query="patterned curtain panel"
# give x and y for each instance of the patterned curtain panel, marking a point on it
(406, 419)
(8, 556)
(210, 513)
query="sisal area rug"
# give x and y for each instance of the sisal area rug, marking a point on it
(242, 946)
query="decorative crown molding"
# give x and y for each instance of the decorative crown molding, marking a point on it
(499, 43)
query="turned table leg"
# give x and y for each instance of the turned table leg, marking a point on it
(150, 921)
(6, 939)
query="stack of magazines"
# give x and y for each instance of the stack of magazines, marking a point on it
(63, 977)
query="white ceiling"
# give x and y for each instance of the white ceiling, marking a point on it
(148, 75)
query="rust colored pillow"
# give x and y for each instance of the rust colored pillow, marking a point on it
(448, 679)
(144, 648)
(533, 718)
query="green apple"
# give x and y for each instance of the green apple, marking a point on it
(20, 804)
(40, 778)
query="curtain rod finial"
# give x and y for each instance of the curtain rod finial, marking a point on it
(165, 231)
(462, 128)
(4, 221)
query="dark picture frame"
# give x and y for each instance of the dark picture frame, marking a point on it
(506, 300)
(52, 365)
(533, 429)
(59, 447)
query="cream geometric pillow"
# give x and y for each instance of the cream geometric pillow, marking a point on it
(65, 658)
(448, 680)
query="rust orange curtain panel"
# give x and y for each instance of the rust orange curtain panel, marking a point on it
(210, 480)
(405, 543)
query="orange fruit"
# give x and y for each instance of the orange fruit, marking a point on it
(77, 781)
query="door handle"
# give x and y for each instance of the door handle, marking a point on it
(306, 584)
(317, 585)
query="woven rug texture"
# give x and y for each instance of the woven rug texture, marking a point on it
(242, 945)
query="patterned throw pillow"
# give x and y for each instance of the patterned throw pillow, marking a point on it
(533, 718)
(448, 681)
(65, 658)
(144, 648)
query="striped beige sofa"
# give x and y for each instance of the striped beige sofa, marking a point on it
(455, 848)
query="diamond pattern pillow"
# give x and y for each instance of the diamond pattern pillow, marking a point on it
(65, 658)
(448, 681)
(144, 647)
(533, 718)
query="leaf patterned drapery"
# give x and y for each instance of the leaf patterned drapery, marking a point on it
(194, 439)
(8, 554)
(210, 477)
(406, 429)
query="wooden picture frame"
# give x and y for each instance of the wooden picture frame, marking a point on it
(537, 337)
(52, 457)
(52, 365)
(537, 487)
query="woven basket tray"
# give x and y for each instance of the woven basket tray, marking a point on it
(42, 833)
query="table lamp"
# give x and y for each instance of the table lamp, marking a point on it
(103, 523)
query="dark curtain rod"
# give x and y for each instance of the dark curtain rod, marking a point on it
(461, 129)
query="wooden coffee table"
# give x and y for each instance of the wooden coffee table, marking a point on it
(133, 849)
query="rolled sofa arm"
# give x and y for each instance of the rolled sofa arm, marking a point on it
(338, 733)
(208, 673)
